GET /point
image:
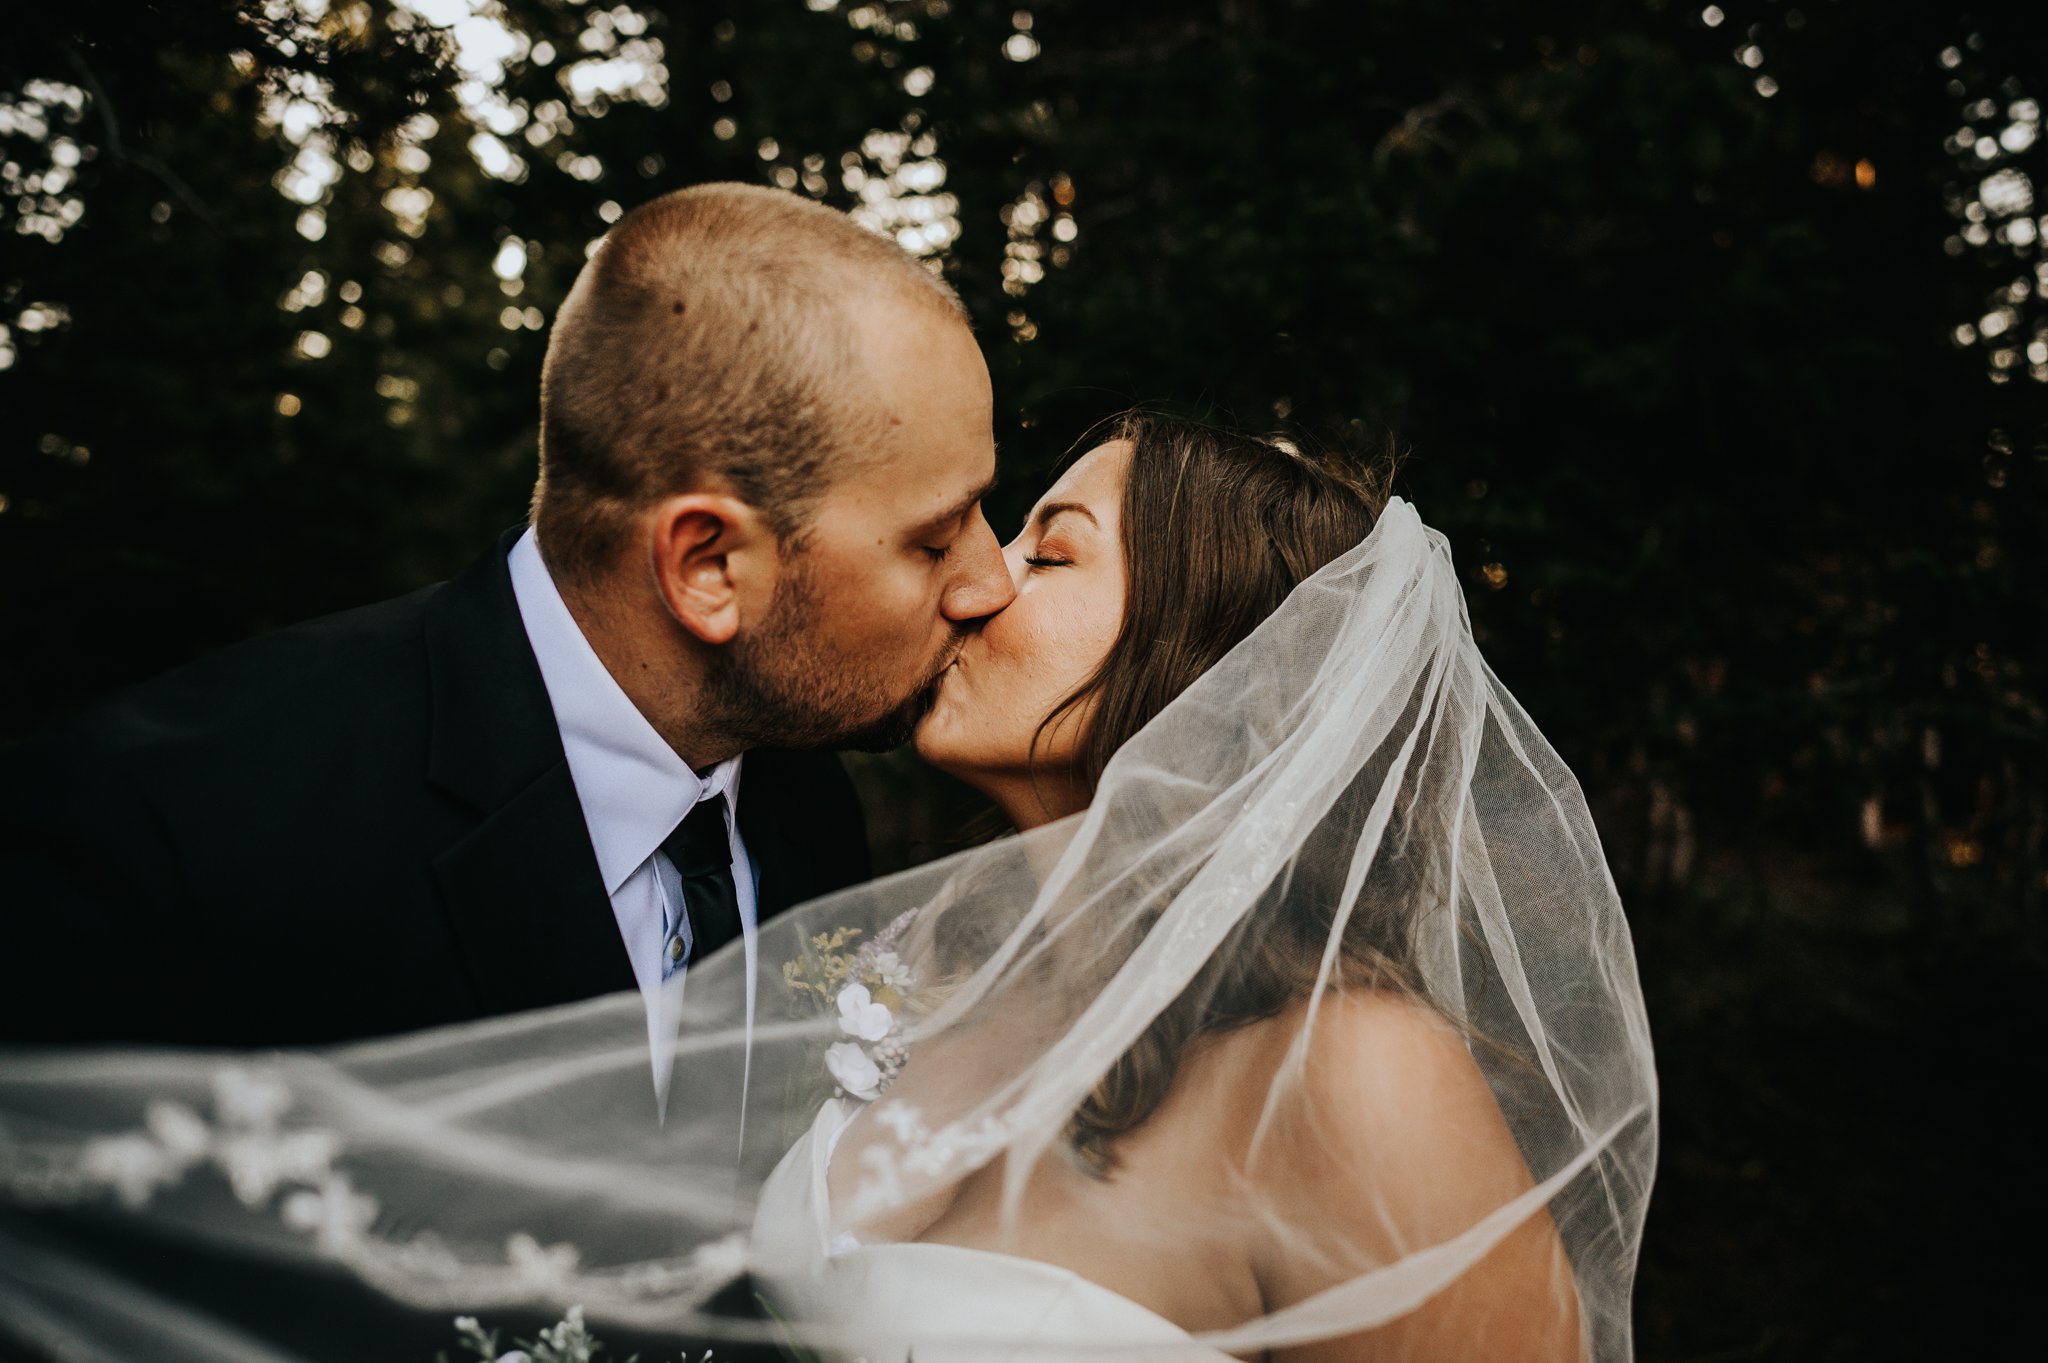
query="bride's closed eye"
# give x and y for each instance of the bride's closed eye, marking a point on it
(1053, 549)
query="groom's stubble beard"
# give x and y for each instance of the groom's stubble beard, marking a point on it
(774, 688)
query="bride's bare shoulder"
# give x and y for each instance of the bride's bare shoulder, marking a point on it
(1381, 1135)
(1362, 1047)
(1372, 1070)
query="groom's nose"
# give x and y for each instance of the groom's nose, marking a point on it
(981, 583)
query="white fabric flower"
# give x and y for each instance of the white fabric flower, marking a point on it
(861, 1016)
(853, 1070)
(889, 968)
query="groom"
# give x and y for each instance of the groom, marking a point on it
(592, 757)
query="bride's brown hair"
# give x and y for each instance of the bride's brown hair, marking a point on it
(1219, 526)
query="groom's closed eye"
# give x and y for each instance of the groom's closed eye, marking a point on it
(935, 537)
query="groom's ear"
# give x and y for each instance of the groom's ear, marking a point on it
(705, 548)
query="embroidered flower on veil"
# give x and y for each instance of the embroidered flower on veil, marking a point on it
(569, 1340)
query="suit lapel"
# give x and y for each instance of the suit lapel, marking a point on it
(529, 906)
(522, 888)
(772, 800)
(780, 881)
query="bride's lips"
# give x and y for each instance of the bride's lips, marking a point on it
(938, 681)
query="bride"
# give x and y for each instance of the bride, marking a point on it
(1298, 1021)
(1188, 1192)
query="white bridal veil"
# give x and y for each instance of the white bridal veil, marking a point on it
(1346, 825)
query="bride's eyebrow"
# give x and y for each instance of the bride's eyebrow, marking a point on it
(1052, 509)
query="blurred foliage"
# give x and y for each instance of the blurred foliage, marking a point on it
(1714, 331)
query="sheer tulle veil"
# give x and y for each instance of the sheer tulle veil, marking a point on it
(1352, 786)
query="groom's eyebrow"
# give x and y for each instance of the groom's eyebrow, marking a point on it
(954, 513)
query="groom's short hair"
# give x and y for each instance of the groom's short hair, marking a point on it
(710, 342)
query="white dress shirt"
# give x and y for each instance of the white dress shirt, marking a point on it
(634, 790)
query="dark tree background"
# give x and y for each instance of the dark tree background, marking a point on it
(1714, 334)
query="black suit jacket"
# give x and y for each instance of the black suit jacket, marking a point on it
(357, 826)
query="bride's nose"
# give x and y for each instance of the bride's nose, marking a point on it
(984, 580)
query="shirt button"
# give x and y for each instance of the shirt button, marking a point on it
(675, 948)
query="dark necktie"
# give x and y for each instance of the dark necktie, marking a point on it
(702, 855)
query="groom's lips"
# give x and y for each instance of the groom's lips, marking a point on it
(931, 688)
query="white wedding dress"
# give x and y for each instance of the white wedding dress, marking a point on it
(935, 1303)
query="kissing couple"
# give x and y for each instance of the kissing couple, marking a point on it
(1296, 1020)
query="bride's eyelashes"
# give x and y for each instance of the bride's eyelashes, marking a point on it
(1046, 561)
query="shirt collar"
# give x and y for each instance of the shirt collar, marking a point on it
(633, 787)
